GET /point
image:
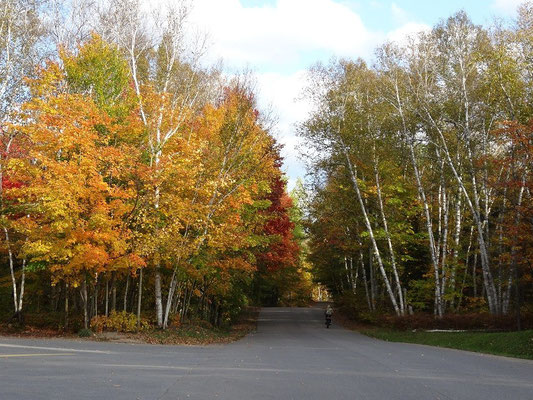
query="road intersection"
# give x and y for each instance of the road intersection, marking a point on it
(291, 356)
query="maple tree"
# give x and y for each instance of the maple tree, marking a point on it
(516, 211)
(277, 259)
(77, 190)
(120, 178)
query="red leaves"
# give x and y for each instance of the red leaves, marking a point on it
(283, 251)
(514, 158)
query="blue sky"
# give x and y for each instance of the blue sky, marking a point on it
(428, 12)
(377, 14)
(280, 39)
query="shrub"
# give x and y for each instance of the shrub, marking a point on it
(354, 307)
(176, 320)
(470, 321)
(118, 322)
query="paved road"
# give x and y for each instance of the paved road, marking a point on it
(292, 356)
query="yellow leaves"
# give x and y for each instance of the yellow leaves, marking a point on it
(48, 81)
(111, 190)
(36, 249)
(77, 182)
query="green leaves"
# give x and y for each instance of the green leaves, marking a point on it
(412, 150)
(98, 70)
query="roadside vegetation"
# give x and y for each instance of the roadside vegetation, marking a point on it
(141, 190)
(478, 332)
(421, 208)
(511, 344)
(421, 205)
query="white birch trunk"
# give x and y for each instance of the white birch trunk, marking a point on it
(389, 241)
(446, 207)
(158, 296)
(353, 175)
(485, 262)
(429, 228)
(12, 271)
(170, 297)
(398, 104)
(457, 237)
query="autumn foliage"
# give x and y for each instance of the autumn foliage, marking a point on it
(115, 186)
(422, 174)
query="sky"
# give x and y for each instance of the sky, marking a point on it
(278, 40)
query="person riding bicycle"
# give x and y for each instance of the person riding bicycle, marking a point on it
(328, 313)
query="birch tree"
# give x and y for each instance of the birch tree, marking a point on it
(20, 35)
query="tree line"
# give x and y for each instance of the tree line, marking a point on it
(133, 176)
(422, 171)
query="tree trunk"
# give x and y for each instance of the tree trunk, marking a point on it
(474, 274)
(12, 271)
(21, 293)
(114, 292)
(365, 280)
(389, 241)
(107, 297)
(422, 195)
(85, 303)
(126, 292)
(446, 207)
(429, 228)
(170, 297)
(95, 297)
(66, 306)
(139, 300)
(373, 286)
(457, 237)
(158, 296)
(475, 209)
(514, 262)
(355, 184)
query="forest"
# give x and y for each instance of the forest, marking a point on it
(139, 187)
(421, 166)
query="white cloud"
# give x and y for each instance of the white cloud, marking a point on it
(399, 14)
(403, 33)
(283, 92)
(279, 41)
(506, 7)
(281, 34)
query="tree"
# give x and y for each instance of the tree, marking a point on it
(20, 35)
(277, 260)
(74, 211)
(415, 136)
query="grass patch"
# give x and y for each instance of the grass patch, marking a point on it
(512, 344)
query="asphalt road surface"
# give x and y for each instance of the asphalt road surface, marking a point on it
(292, 356)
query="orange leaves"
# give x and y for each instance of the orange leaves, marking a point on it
(79, 187)
(205, 171)
(117, 180)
